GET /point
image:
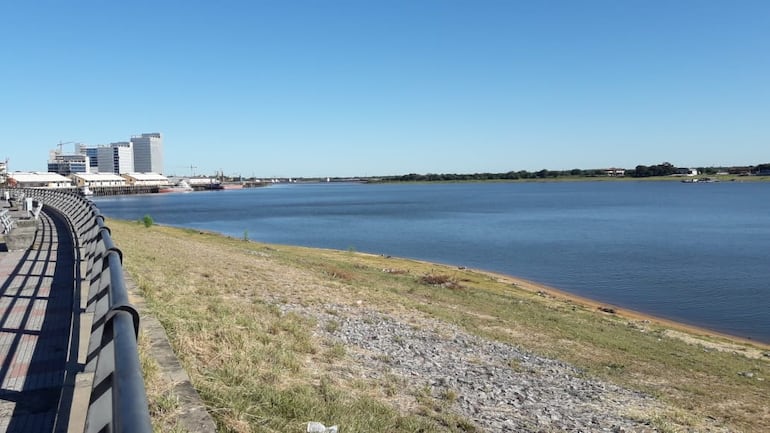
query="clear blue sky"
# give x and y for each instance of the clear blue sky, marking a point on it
(345, 88)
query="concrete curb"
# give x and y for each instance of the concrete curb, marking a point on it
(23, 234)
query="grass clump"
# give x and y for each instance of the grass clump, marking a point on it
(435, 279)
(438, 409)
(332, 326)
(432, 279)
(339, 273)
(336, 351)
(147, 221)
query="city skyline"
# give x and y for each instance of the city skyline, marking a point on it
(387, 88)
(121, 159)
(141, 153)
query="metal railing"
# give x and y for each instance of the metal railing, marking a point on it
(6, 223)
(118, 402)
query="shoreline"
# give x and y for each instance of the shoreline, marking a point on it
(625, 313)
(565, 296)
(596, 305)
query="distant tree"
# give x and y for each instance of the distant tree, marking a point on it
(663, 169)
(411, 177)
(641, 171)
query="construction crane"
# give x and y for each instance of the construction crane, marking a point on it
(61, 145)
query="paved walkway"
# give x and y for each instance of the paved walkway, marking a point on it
(36, 309)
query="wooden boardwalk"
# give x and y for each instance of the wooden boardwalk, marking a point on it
(38, 346)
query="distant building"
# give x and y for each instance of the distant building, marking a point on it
(97, 179)
(145, 179)
(740, 171)
(148, 152)
(3, 171)
(93, 154)
(615, 172)
(141, 154)
(38, 180)
(686, 172)
(116, 158)
(66, 164)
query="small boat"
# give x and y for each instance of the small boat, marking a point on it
(701, 180)
(182, 186)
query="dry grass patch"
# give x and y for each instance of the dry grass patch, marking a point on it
(247, 358)
(261, 369)
(163, 403)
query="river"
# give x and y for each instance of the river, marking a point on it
(695, 253)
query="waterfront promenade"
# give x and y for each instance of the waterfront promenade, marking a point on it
(38, 344)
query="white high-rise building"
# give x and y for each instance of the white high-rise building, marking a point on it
(117, 158)
(148, 153)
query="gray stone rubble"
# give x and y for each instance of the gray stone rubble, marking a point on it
(497, 386)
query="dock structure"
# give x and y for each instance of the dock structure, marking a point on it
(123, 190)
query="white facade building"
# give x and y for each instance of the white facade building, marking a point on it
(117, 158)
(145, 179)
(38, 180)
(97, 179)
(148, 152)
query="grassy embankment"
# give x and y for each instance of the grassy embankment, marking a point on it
(259, 369)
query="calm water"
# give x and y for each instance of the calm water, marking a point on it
(696, 253)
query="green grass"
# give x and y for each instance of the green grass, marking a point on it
(260, 369)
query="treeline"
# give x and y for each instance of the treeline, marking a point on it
(511, 175)
(668, 169)
(662, 169)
